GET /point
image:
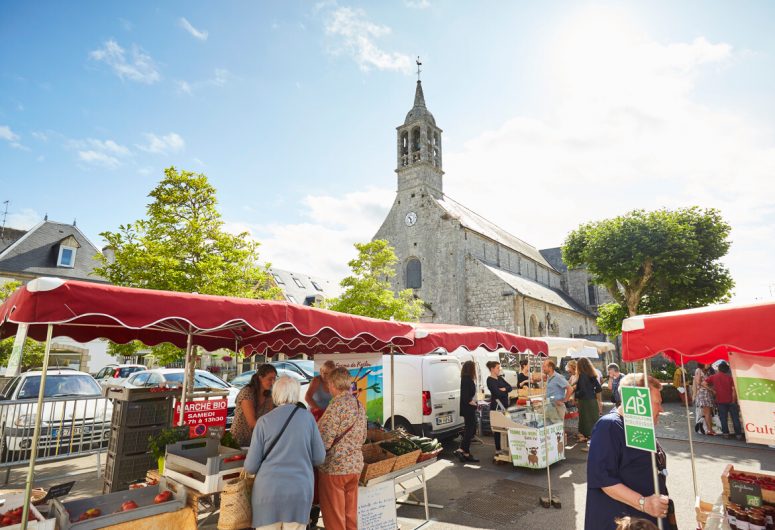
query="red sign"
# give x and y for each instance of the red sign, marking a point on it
(201, 415)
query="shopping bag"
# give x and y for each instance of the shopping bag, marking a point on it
(236, 508)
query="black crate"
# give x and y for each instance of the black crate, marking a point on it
(132, 440)
(122, 470)
(142, 413)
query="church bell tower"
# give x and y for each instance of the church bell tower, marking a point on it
(419, 148)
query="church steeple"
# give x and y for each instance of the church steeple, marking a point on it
(419, 147)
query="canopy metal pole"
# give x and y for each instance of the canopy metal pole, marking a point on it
(36, 432)
(653, 455)
(689, 425)
(188, 379)
(392, 391)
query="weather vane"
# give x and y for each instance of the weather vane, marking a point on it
(419, 64)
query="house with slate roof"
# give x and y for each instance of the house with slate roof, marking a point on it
(58, 250)
(467, 269)
(301, 288)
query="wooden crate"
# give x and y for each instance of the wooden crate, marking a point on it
(768, 495)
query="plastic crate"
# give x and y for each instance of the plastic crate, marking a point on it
(110, 504)
(122, 470)
(202, 464)
(132, 440)
(38, 522)
(142, 413)
(123, 393)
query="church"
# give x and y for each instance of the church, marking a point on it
(466, 269)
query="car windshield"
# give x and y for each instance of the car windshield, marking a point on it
(59, 386)
(307, 367)
(200, 380)
(242, 379)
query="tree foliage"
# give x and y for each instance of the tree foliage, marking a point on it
(33, 351)
(367, 290)
(182, 246)
(654, 261)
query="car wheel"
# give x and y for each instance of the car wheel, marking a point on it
(401, 423)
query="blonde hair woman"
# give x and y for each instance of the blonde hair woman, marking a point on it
(343, 429)
(318, 396)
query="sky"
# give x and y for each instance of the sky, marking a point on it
(554, 114)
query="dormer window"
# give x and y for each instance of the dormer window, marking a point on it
(67, 249)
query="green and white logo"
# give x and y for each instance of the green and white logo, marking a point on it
(756, 389)
(638, 420)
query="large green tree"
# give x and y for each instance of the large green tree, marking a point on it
(653, 261)
(181, 245)
(367, 290)
(33, 351)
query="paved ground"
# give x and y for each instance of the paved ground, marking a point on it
(492, 496)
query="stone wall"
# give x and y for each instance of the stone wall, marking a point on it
(489, 301)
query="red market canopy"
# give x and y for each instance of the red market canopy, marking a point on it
(86, 311)
(705, 334)
(431, 337)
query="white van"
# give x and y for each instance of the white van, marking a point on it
(427, 399)
(481, 357)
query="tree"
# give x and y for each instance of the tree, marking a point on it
(33, 351)
(655, 261)
(367, 290)
(181, 246)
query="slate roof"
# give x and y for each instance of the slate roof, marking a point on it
(554, 257)
(307, 294)
(36, 252)
(9, 236)
(476, 223)
(537, 291)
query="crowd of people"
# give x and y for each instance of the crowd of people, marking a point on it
(620, 486)
(302, 457)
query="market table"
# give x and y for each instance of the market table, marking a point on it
(400, 479)
(183, 519)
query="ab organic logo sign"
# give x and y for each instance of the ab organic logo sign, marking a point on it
(638, 420)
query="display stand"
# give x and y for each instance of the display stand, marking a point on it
(406, 482)
(528, 443)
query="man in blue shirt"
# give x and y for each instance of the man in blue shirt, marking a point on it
(614, 377)
(558, 391)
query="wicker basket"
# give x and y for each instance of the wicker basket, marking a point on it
(406, 460)
(429, 456)
(378, 435)
(376, 462)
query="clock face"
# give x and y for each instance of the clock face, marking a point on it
(410, 219)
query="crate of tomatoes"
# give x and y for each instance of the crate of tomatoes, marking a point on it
(11, 511)
(120, 507)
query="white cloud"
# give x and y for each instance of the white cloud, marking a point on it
(199, 34)
(168, 143)
(145, 171)
(102, 153)
(43, 137)
(7, 134)
(356, 35)
(24, 219)
(140, 67)
(322, 243)
(220, 78)
(418, 4)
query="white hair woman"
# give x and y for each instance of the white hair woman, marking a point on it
(343, 429)
(285, 446)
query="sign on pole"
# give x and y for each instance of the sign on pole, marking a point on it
(200, 416)
(638, 420)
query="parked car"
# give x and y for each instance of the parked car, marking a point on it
(427, 394)
(115, 374)
(202, 380)
(75, 415)
(304, 368)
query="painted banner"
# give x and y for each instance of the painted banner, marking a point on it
(755, 384)
(201, 416)
(366, 371)
(527, 448)
(638, 420)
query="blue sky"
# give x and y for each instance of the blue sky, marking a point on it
(554, 113)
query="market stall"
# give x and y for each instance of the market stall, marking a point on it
(49, 307)
(744, 336)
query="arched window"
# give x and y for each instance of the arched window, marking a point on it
(413, 273)
(415, 144)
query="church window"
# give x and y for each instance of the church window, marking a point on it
(413, 273)
(435, 151)
(592, 294)
(404, 149)
(415, 144)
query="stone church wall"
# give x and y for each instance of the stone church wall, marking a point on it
(486, 304)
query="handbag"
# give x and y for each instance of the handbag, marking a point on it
(236, 506)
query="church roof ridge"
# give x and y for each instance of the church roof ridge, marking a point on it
(487, 228)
